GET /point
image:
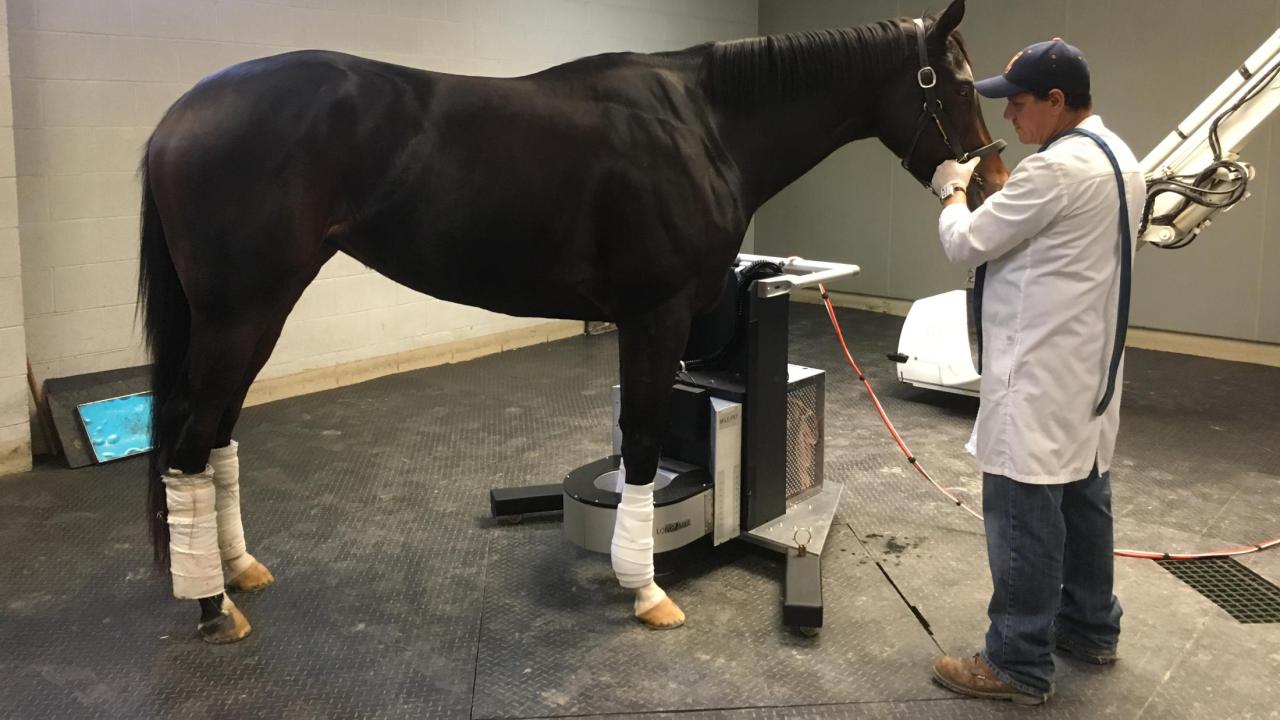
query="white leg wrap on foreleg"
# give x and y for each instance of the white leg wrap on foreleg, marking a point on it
(226, 478)
(194, 560)
(632, 548)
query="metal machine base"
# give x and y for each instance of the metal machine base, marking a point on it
(743, 452)
(806, 522)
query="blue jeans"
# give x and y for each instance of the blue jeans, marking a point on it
(1050, 550)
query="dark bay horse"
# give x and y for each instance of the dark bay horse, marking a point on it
(616, 187)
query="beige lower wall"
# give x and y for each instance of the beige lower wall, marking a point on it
(15, 453)
(315, 380)
(1162, 340)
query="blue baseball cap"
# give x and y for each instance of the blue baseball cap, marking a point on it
(1040, 68)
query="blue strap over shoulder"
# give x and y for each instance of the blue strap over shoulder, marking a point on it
(1126, 273)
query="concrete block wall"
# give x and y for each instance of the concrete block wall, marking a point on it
(90, 78)
(15, 432)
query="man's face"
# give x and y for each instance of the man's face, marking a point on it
(1034, 120)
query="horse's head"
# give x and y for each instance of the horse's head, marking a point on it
(929, 111)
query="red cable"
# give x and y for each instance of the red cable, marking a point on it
(902, 445)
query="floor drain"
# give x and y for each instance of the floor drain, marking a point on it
(1244, 594)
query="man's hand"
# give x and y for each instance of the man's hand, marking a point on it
(954, 175)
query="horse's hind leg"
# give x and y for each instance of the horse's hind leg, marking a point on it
(649, 349)
(219, 354)
(241, 570)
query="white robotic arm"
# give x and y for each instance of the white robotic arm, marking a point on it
(1195, 172)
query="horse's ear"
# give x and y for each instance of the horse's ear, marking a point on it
(949, 21)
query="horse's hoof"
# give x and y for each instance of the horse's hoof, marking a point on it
(666, 615)
(255, 577)
(228, 627)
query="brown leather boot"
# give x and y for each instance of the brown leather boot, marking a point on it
(971, 676)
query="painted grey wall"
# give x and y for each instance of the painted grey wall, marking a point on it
(1152, 61)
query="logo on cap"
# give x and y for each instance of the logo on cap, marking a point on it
(1013, 60)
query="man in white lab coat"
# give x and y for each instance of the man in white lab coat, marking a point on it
(1053, 254)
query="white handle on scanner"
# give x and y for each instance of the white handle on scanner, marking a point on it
(814, 272)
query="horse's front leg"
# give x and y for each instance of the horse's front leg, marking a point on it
(649, 349)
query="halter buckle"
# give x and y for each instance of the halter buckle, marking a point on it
(926, 77)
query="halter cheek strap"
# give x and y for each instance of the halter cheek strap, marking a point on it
(927, 79)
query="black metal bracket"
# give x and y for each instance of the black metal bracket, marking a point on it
(802, 591)
(510, 502)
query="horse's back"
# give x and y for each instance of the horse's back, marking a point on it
(313, 129)
(278, 101)
(574, 187)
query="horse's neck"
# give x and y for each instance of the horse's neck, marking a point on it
(782, 103)
(774, 144)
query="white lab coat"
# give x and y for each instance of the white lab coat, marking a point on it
(1051, 240)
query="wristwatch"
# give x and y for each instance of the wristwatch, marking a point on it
(948, 190)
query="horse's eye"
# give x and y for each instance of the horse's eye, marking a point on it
(964, 90)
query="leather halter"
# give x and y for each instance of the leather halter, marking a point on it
(927, 78)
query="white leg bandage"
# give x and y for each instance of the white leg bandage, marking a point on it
(632, 548)
(648, 597)
(226, 478)
(194, 560)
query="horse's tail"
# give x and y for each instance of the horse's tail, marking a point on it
(167, 329)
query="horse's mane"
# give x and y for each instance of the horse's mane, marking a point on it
(782, 66)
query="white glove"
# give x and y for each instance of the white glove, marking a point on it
(953, 174)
